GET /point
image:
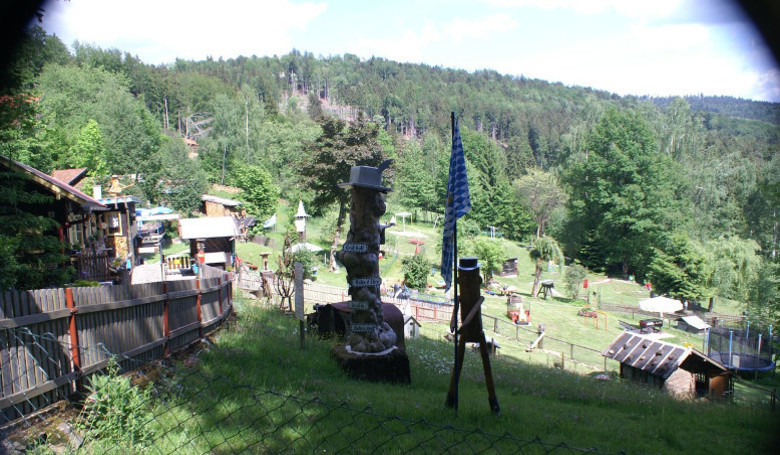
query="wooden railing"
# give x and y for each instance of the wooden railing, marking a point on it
(51, 338)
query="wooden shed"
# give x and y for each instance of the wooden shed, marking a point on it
(683, 371)
(215, 235)
(692, 324)
(219, 206)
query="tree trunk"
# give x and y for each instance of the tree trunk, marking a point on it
(335, 245)
(711, 305)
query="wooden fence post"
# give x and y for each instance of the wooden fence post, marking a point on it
(198, 308)
(75, 355)
(166, 321)
(220, 296)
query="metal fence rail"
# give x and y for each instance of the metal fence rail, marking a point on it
(51, 338)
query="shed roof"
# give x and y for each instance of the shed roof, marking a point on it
(657, 357)
(695, 322)
(208, 227)
(55, 186)
(220, 200)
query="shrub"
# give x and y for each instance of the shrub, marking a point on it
(115, 409)
(573, 278)
(416, 270)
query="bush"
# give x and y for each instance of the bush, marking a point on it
(490, 254)
(416, 270)
(573, 278)
(115, 409)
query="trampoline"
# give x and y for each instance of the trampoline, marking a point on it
(743, 362)
(740, 352)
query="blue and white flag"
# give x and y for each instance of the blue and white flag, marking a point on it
(458, 204)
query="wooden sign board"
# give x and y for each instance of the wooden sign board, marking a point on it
(366, 282)
(299, 291)
(354, 248)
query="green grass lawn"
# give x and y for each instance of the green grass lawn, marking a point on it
(223, 405)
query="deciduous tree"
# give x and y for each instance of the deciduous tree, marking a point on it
(329, 160)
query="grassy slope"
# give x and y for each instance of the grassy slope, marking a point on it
(536, 401)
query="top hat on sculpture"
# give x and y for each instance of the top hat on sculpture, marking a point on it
(468, 263)
(367, 177)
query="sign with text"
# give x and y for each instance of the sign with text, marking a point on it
(355, 248)
(366, 282)
(358, 305)
(363, 327)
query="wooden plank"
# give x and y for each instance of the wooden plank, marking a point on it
(108, 306)
(33, 319)
(24, 395)
(187, 328)
(5, 365)
(182, 294)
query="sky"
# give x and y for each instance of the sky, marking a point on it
(628, 47)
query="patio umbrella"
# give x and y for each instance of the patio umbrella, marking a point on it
(660, 304)
(304, 246)
(161, 210)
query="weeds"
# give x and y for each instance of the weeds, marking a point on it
(115, 409)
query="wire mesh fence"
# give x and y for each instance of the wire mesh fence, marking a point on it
(172, 406)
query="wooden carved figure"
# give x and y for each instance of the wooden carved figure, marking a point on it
(470, 330)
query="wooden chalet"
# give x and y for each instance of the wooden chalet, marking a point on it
(77, 214)
(112, 232)
(683, 371)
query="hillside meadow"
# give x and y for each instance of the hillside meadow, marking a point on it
(261, 353)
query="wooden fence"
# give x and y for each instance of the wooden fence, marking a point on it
(442, 313)
(51, 339)
(711, 318)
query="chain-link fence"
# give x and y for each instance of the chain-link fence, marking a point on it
(172, 406)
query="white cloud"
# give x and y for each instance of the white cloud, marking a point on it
(161, 31)
(628, 8)
(481, 28)
(412, 46)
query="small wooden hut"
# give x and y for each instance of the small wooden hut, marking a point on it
(216, 236)
(683, 371)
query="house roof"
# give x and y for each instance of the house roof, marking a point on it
(70, 176)
(657, 357)
(695, 322)
(208, 227)
(220, 200)
(57, 187)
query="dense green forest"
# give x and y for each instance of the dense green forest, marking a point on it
(683, 192)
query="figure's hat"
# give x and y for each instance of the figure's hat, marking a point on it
(468, 263)
(367, 177)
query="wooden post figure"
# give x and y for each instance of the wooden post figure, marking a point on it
(471, 329)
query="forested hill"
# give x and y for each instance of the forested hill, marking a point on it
(728, 106)
(636, 181)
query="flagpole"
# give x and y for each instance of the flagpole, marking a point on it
(455, 284)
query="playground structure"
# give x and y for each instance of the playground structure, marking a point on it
(515, 310)
(741, 351)
(595, 315)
